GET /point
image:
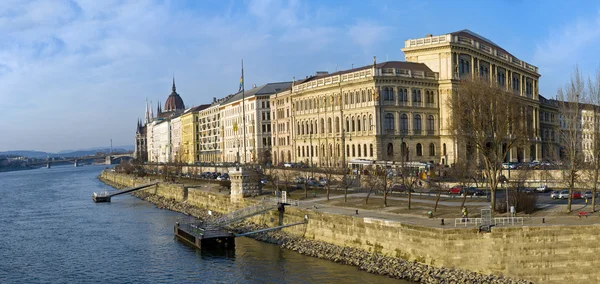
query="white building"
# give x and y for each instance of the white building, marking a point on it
(255, 145)
(176, 131)
(161, 137)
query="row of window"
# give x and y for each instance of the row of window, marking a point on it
(353, 124)
(417, 120)
(389, 94)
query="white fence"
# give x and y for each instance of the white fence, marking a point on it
(497, 221)
(508, 221)
(467, 221)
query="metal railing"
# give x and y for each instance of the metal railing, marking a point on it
(508, 221)
(239, 215)
(467, 221)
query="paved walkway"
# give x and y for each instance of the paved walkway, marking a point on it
(413, 199)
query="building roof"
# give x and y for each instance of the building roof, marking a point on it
(266, 89)
(388, 64)
(174, 101)
(475, 36)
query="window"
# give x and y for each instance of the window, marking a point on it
(417, 124)
(444, 149)
(431, 149)
(390, 149)
(337, 124)
(430, 124)
(389, 121)
(329, 125)
(365, 149)
(371, 150)
(404, 123)
(388, 94)
(347, 124)
(353, 151)
(358, 149)
(419, 150)
(403, 95)
(416, 96)
(353, 125)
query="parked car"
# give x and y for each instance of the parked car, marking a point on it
(287, 165)
(224, 176)
(588, 194)
(563, 194)
(471, 191)
(323, 181)
(455, 190)
(299, 180)
(542, 188)
(527, 191)
(554, 194)
(576, 194)
(263, 181)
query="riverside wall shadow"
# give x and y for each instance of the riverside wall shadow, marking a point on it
(543, 254)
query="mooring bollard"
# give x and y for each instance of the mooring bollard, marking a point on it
(356, 211)
(543, 220)
(442, 222)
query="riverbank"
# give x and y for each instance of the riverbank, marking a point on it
(370, 261)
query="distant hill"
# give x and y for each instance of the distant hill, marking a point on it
(26, 153)
(68, 153)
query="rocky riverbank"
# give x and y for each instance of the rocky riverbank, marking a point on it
(392, 267)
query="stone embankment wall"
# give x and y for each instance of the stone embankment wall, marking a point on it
(544, 254)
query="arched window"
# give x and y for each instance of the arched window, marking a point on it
(390, 150)
(322, 126)
(417, 124)
(371, 150)
(364, 95)
(444, 149)
(369, 95)
(351, 98)
(371, 120)
(329, 129)
(365, 125)
(330, 150)
(337, 124)
(345, 99)
(403, 93)
(348, 150)
(419, 150)
(404, 123)
(358, 150)
(388, 94)
(303, 152)
(416, 96)
(347, 124)
(431, 149)
(430, 124)
(365, 149)
(389, 121)
(298, 128)
(357, 97)
(358, 123)
(337, 150)
(353, 125)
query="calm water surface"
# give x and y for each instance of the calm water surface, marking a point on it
(52, 232)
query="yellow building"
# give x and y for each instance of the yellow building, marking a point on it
(465, 53)
(188, 125)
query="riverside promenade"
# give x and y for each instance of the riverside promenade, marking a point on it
(535, 252)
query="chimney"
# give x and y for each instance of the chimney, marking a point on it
(253, 85)
(214, 99)
(429, 35)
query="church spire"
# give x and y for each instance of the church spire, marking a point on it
(174, 84)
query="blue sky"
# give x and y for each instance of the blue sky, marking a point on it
(74, 74)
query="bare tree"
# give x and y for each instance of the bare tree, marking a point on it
(329, 173)
(346, 181)
(371, 182)
(594, 163)
(570, 107)
(487, 122)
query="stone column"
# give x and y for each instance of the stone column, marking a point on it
(473, 67)
(245, 182)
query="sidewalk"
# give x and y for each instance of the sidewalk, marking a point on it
(413, 199)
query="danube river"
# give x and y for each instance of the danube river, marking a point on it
(52, 232)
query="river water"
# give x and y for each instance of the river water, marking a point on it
(52, 232)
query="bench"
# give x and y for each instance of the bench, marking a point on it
(581, 214)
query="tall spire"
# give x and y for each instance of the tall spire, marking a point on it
(147, 114)
(151, 114)
(173, 83)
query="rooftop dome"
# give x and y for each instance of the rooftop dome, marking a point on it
(174, 101)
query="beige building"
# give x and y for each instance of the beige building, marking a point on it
(465, 53)
(385, 112)
(176, 130)
(210, 136)
(549, 129)
(253, 146)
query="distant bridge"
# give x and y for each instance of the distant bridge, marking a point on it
(108, 160)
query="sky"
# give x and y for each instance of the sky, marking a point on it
(75, 74)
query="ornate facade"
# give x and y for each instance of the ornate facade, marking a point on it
(464, 53)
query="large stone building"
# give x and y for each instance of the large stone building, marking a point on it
(549, 129)
(464, 53)
(385, 112)
(252, 144)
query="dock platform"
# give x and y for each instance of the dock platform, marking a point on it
(201, 238)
